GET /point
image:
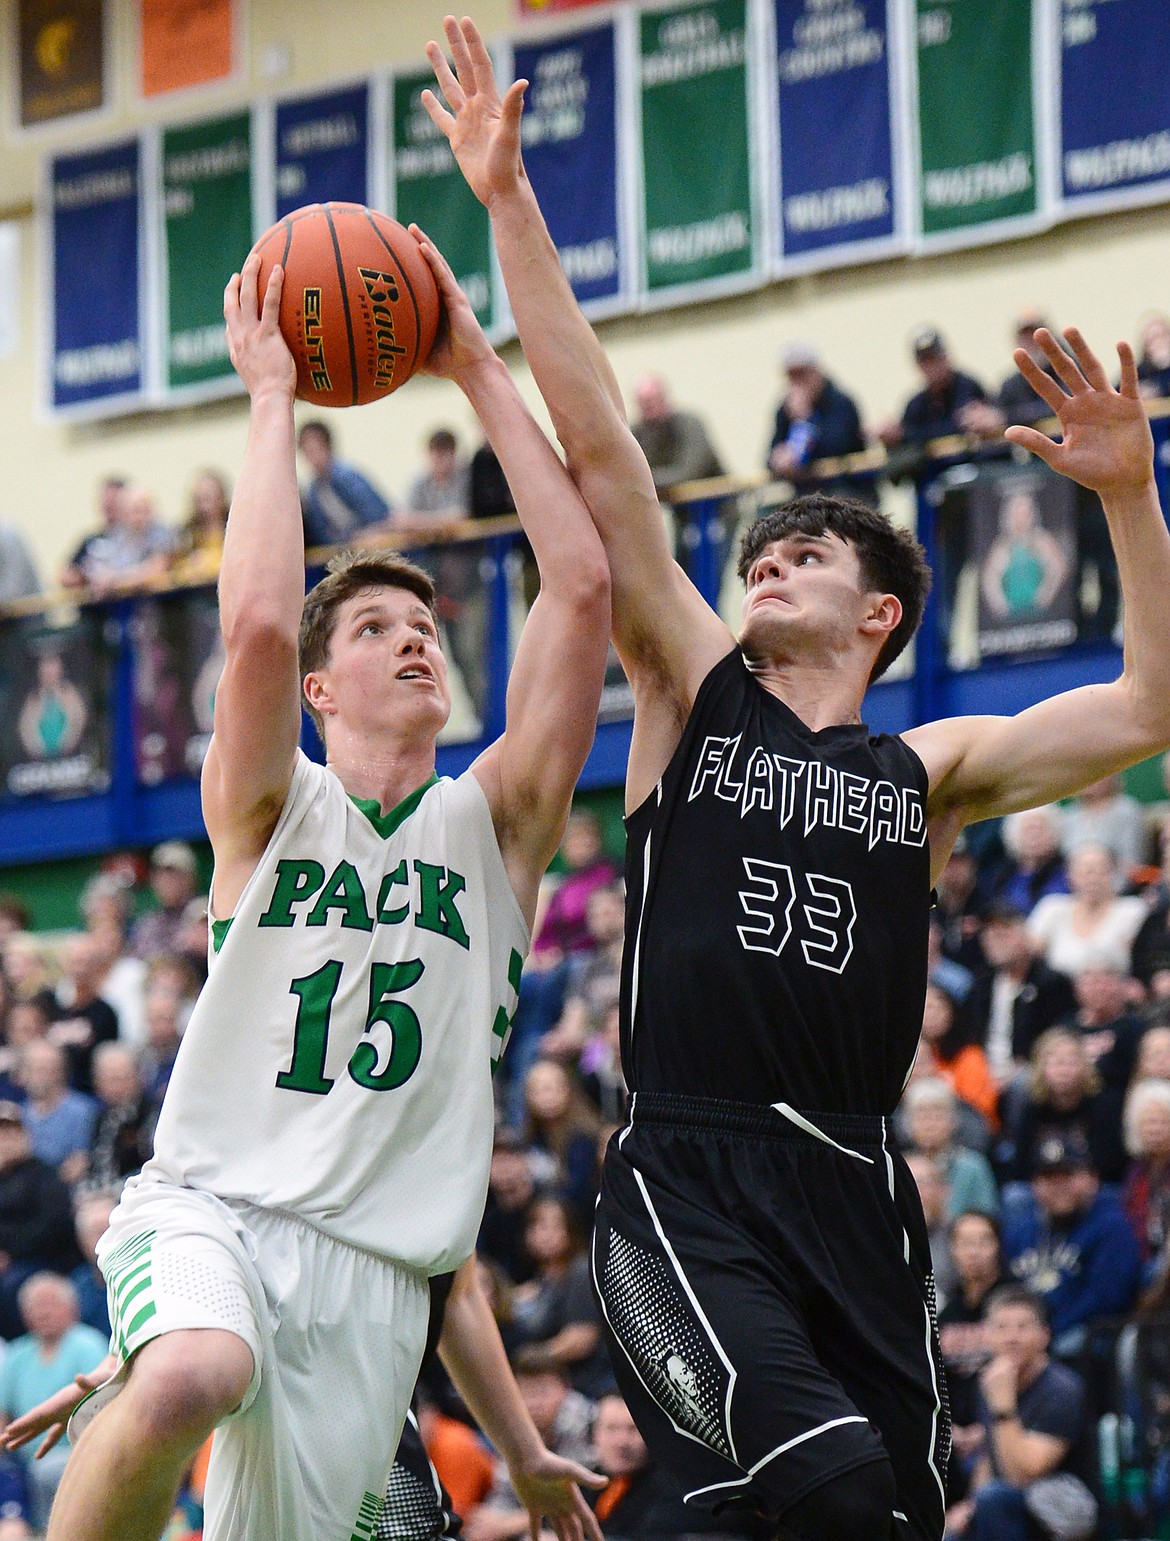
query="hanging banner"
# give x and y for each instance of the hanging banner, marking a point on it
(697, 204)
(570, 151)
(54, 708)
(322, 149)
(61, 46)
(428, 188)
(1023, 538)
(178, 659)
(976, 119)
(1114, 104)
(207, 211)
(96, 325)
(838, 193)
(184, 44)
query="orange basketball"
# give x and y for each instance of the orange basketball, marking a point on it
(360, 305)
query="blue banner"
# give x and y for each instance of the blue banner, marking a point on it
(322, 149)
(570, 152)
(96, 354)
(836, 182)
(1114, 102)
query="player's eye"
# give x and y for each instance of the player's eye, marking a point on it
(371, 626)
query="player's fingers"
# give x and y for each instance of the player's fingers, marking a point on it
(583, 1475)
(437, 113)
(52, 1438)
(438, 264)
(231, 297)
(1090, 364)
(270, 314)
(513, 105)
(461, 54)
(449, 86)
(1035, 443)
(1041, 382)
(590, 1526)
(1129, 374)
(1065, 368)
(480, 61)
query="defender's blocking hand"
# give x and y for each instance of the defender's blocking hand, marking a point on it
(1107, 444)
(482, 129)
(257, 348)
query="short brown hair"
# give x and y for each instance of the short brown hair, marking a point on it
(891, 560)
(347, 574)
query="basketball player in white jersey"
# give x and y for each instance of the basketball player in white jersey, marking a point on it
(324, 1145)
(788, 1363)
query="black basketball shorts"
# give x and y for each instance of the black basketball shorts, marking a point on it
(765, 1282)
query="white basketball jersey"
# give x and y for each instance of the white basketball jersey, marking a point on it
(338, 1062)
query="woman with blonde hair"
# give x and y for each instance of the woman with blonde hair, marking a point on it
(1065, 1096)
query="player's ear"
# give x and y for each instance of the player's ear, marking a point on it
(317, 694)
(883, 612)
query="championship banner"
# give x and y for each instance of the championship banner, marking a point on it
(1114, 104)
(61, 46)
(54, 708)
(838, 189)
(322, 149)
(976, 119)
(178, 659)
(207, 212)
(96, 330)
(427, 187)
(185, 44)
(697, 206)
(1023, 539)
(569, 133)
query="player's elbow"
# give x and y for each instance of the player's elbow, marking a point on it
(259, 631)
(588, 590)
(1150, 708)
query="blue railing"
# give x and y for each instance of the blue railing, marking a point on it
(130, 811)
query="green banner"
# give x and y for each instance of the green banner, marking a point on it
(430, 192)
(207, 204)
(697, 202)
(975, 116)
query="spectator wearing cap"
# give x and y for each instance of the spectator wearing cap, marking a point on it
(1073, 1244)
(814, 421)
(1017, 996)
(36, 1217)
(173, 876)
(937, 410)
(1029, 1479)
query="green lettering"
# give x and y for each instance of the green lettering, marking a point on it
(295, 882)
(314, 995)
(387, 979)
(438, 890)
(392, 880)
(343, 892)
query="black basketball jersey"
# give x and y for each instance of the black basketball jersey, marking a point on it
(778, 897)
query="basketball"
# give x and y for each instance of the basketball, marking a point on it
(360, 305)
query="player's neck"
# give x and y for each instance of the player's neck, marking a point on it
(384, 772)
(822, 696)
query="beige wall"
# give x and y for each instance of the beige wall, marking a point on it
(719, 358)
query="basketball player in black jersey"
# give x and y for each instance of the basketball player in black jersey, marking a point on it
(760, 1253)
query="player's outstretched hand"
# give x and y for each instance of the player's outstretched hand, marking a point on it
(1107, 445)
(483, 130)
(459, 342)
(548, 1486)
(258, 351)
(50, 1416)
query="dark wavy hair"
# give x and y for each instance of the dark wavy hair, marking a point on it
(892, 561)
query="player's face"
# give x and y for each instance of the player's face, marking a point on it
(386, 669)
(804, 595)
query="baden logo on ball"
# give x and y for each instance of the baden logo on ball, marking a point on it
(360, 306)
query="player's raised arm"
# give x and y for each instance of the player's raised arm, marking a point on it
(261, 594)
(981, 766)
(660, 620)
(555, 684)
